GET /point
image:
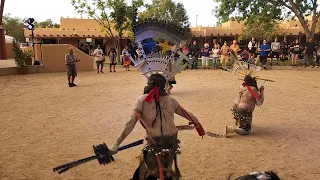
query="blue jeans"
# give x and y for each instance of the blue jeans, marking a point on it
(195, 63)
(214, 60)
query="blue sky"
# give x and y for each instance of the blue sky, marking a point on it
(49, 9)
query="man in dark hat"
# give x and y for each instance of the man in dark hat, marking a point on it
(249, 96)
(155, 111)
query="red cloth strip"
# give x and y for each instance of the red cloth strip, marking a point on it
(252, 92)
(198, 126)
(161, 174)
(153, 93)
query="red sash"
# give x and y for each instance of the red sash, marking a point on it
(251, 91)
(153, 93)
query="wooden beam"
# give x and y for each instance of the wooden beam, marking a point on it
(1, 10)
(3, 53)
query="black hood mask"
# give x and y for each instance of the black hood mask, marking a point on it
(156, 80)
(250, 81)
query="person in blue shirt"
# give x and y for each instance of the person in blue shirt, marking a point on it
(264, 50)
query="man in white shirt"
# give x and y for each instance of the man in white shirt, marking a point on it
(275, 47)
(99, 58)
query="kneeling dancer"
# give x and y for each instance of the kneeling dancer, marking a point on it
(244, 105)
(155, 111)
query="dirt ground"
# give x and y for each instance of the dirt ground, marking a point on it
(44, 123)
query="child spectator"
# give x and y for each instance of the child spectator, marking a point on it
(245, 55)
(113, 59)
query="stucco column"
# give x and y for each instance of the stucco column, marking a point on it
(3, 53)
(58, 40)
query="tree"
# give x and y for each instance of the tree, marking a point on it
(167, 10)
(14, 27)
(273, 9)
(119, 18)
(47, 23)
(260, 27)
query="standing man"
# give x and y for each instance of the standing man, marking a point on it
(70, 61)
(99, 58)
(194, 52)
(310, 47)
(264, 50)
(225, 50)
(252, 50)
(235, 48)
(244, 105)
(275, 47)
(155, 111)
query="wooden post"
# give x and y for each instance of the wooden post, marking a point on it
(3, 53)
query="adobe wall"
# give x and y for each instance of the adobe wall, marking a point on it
(54, 54)
(9, 50)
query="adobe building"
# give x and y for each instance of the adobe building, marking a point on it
(85, 34)
(228, 31)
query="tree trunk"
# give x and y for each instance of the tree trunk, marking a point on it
(315, 18)
(3, 53)
(300, 17)
(119, 51)
(1, 10)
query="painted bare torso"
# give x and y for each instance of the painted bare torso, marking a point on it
(155, 127)
(158, 125)
(245, 100)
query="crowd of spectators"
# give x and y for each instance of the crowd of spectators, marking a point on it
(264, 51)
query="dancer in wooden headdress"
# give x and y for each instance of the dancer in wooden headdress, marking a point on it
(155, 111)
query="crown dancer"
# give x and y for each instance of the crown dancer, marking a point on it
(249, 96)
(155, 111)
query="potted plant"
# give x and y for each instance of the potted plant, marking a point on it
(28, 57)
(20, 58)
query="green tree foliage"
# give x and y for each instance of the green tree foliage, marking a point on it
(110, 14)
(14, 27)
(261, 27)
(47, 23)
(167, 10)
(271, 9)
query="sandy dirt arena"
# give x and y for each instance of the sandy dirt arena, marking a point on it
(44, 123)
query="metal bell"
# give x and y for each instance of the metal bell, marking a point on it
(178, 152)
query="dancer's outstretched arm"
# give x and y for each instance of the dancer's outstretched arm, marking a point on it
(192, 119)
(125, 132)
(128, 126)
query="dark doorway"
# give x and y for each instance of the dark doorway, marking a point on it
(49, 41)
(98, 42)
